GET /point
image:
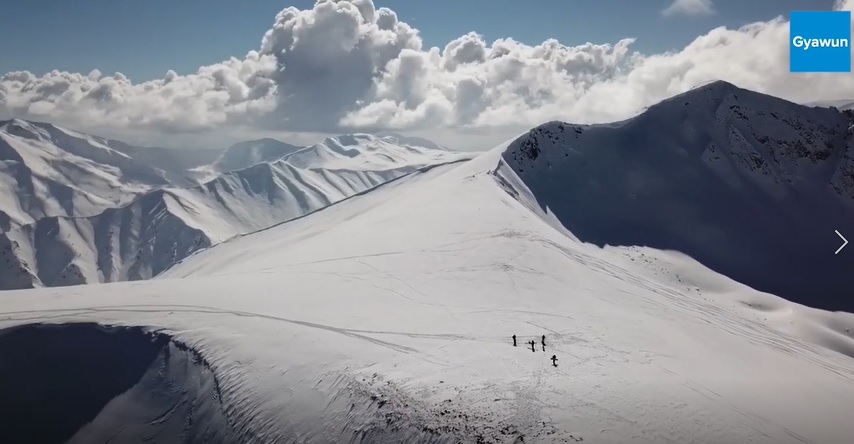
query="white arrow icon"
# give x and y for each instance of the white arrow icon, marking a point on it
(843, 240)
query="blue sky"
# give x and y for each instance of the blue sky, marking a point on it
(144, 38)
(311, 79)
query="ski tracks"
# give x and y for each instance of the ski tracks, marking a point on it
(39, 315)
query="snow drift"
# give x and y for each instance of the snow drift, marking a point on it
(750, 185)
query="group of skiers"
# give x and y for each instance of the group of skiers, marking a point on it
(533, 345)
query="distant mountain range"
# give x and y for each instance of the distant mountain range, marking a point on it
(620, 256)
(76, 208)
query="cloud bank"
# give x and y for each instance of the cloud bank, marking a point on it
(345, 65)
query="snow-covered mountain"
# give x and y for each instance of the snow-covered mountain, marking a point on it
(160, 228)
(48, 171)
(401, 139)
(360, 151)
(388, 317)
(180, 165)
(346, 152)
(245, 154)
(750, 185)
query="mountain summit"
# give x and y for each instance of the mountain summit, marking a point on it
(245, 154)
(750, 185)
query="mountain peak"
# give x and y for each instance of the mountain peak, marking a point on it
(348, 139)
(14, 121)
(261, 141)
(716, 85)
(712, 93)
(401, 139)
(26, 129)
(732, 164)
(244, 154)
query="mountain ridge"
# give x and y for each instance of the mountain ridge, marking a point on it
(391, 316)
(679, 175)
(160, 227)
(251, 152)
(421, 288)
(49, 171)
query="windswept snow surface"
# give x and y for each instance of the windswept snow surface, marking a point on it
(158, 229)
(388, 317)
(750, 185)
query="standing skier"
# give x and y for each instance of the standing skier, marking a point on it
(533, 344)
(554, 360)
(514, 340)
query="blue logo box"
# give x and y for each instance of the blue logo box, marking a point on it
(820, 41)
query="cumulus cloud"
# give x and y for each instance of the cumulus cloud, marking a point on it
(689, 7)
(328, 58)
(228, 92)
(345, 65)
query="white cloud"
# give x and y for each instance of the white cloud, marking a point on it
(345, 65)
(228, 92)
(689, 7)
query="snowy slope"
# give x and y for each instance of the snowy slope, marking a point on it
(750, 185)
(245, 154)
(51, 171)
(180, 165)
(400, 139)
(387, 318)
(361, 151)
(343, 153)
(152, 233)
(132, 242)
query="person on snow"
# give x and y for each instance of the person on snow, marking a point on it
(514, 340)
(533, 345)
(554, 360)
(544, 342)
